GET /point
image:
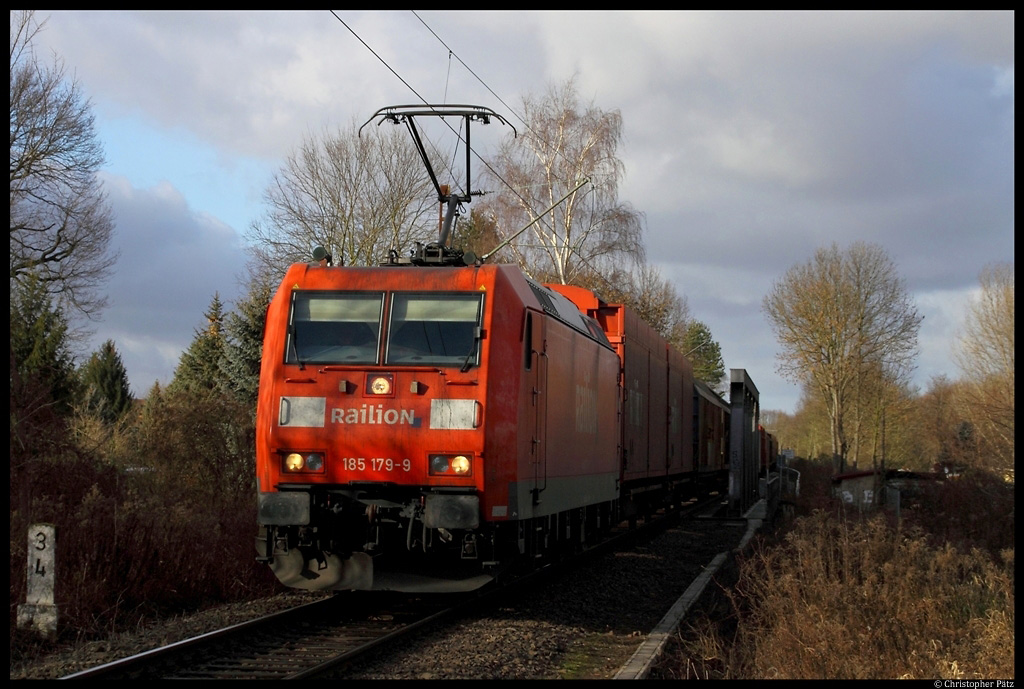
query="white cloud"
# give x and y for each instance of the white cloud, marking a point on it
(173, 260)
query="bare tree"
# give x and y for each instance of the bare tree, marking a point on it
(809, 433)
(357, 196)
(61, 224)
(881, 403)
(836, 317)
(562, 145)
(985, 347)
(985, 354)
(939, 422)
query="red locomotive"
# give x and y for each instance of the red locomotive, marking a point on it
(426, 423)
(425, 411)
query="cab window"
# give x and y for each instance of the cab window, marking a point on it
(434, 329)
(334, 328)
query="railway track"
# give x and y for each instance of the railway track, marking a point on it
(326, 636)
(293, 644)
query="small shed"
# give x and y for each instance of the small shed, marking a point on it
(871, 488)
(861, 489)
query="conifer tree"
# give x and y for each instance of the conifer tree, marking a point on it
(40, 346)
(704, 353)
(107, 392)
(199, 369)
(42, 378)
(244, 342)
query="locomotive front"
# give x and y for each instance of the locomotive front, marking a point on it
(370, 428)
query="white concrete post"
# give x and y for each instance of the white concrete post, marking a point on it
(39, 611)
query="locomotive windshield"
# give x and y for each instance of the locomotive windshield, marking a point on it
(334, 328)
(424, 329)
(434, 329)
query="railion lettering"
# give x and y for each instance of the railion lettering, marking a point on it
(369, 414)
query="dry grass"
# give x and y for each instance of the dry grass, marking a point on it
(841, 596)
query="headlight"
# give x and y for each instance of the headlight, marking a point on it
(310, 461)
(380, 384)
(453, 465)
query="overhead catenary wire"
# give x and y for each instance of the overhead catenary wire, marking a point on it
(452, 53)
(398, 76)
(419, 96)
(496, 174)
(526, 124)
(382, 60)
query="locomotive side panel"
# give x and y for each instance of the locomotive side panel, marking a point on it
(512, 421)
(575, 463)
(524, 469)
(658, 422)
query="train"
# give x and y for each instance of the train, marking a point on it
(435, 421)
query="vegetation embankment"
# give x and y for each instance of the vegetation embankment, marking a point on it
(159, 523)
(838, 594)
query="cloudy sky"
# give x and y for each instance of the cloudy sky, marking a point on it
(751, 140)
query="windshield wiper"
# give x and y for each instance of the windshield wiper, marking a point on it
(478, 334)
(295, 348)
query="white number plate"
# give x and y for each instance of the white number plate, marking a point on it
(376, 464)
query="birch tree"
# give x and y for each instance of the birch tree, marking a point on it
(562, 144)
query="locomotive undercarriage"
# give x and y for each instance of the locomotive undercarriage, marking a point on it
(565, 533)
(362, 540)
(398, 539)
